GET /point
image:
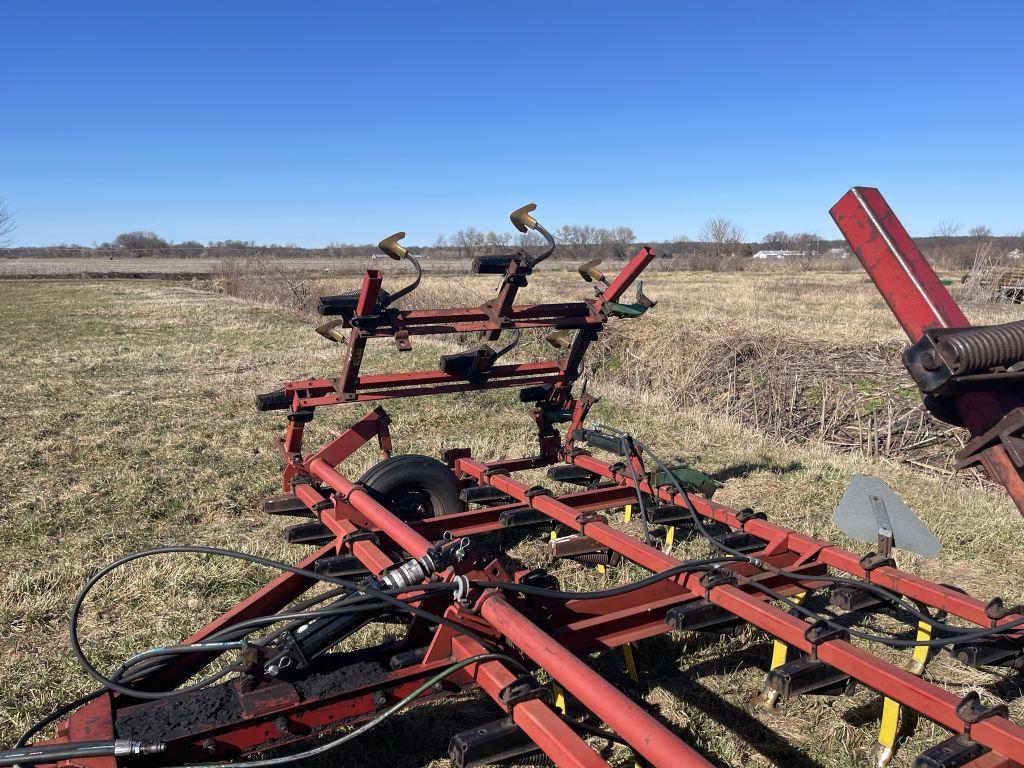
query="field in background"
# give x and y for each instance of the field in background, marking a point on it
(129, 407)
(305, 268)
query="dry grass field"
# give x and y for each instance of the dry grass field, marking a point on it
(127, 411)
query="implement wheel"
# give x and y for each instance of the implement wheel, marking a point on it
(414, 487)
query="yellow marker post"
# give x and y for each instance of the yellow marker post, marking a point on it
(559, 696)
(780, 654)
(670, 537)
(629, 513)
(633, 672)
(889, 729)
(780, 651)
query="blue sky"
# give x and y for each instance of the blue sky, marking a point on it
(309, 123)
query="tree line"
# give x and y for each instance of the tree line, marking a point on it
(719, 239)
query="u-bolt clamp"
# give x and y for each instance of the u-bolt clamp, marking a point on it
(462, 587)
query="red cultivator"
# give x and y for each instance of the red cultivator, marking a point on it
(398, 546)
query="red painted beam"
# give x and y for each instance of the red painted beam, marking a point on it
(628, 275)
(547, 730)
(645, 734)
(935, 595)
(903, 276)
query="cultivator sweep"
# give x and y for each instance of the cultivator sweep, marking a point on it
(402, 545)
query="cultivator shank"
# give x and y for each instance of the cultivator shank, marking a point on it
(406, 542)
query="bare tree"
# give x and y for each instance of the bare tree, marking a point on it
(722, 234)
(980, 232)
(808, 243)
(576, 241)
(6, 224)
(619, 241)
(494, 240)
(136, 244)
(468, 242)
(777, 241)
(529, 239)
(947, 228)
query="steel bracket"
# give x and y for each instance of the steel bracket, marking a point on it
(523, 688)
(971, 711)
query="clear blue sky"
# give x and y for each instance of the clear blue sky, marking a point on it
(309, 123)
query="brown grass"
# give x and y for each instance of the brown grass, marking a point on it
(129, 409)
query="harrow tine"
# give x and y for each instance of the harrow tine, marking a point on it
(780, 655)
(892, 712)
(285, 506)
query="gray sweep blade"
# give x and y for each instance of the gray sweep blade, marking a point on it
(864, 507)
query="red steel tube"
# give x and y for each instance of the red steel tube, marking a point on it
(892, 259)
(935, 595)
(645, 734)
(538, 721)
(390, 525)
(628, 274)
(931, 701)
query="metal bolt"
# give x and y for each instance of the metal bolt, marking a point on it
(281, 723)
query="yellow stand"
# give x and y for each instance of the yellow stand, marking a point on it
(629, 513)
(670, 537)
(780, 654)
(631, 670)
(780, 651)
(559, 696)
(891, 710)
(634, 674)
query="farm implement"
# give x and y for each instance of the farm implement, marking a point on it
(404, 546)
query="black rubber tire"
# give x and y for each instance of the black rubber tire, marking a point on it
(414, 486)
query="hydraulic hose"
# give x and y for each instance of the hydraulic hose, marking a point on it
(952, 634)
(52, 753)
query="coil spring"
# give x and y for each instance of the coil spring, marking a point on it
(593, 558)
(973, 350)
(535, 759)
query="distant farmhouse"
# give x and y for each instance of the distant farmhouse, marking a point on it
(778, 254)
(831, 253)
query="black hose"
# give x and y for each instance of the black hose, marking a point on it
(365, 589)
(954, 634)
(639, 494)
(386, 714)
(57, 714)
(528, 589)
(52, 753)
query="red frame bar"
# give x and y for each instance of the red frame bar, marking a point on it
(892, 259)
(999, 734)
(645, 734)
